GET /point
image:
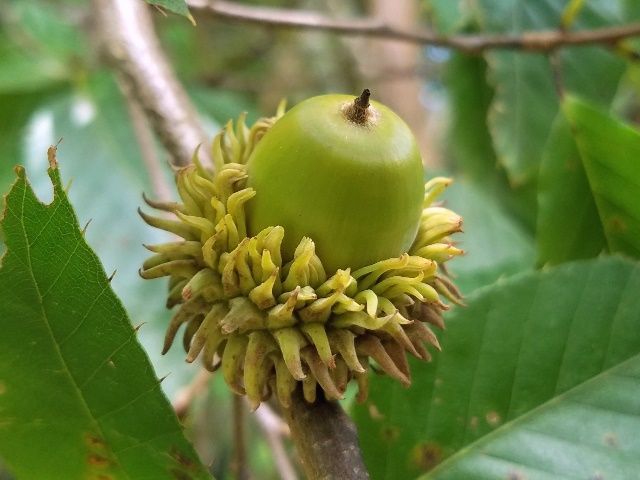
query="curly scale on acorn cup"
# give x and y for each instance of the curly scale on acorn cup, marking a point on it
(311, 253)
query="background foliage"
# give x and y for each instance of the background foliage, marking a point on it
(547, 179)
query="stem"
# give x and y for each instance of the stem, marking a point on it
(239, 464)
(326, 439)
(358, 111)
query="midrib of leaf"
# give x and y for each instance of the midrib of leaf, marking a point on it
(61, 357)
(525, 327)
(513, 424)
(616, 318)
(474, 375)
(571, 330)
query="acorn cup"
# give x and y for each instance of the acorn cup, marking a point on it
(311, 253)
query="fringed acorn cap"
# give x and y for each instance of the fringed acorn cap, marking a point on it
(270, 322)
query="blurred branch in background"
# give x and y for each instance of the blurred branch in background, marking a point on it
(275, 430)
(186, 396)
(534, 41)
(130, 45)
(145, 140)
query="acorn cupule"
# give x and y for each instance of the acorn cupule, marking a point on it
(270, 320)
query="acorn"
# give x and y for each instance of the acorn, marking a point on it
(312, 253)
(346, 173)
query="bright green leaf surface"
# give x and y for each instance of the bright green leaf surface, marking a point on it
(569, 226)
(78, 397)
(518, 344)
(526, 102)
(588, 432)
(610, 152)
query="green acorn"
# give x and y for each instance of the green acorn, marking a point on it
(259, 299)
(350, 178)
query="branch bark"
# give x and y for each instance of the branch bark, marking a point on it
(535, 41)
(130, 45)
(326, 439)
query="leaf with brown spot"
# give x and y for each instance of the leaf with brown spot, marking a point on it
(425, 456)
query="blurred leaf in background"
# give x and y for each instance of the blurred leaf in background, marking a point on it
(610, 151)
(569, 227)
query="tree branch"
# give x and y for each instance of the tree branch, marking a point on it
(144, 137)
(326, 439)
(536, 41)
(132, 48)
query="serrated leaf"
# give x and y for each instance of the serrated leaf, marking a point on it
(569, 227)
(610, 151)
(526, 101)
(176, 6)
(588, 432)
(519, 344)
(78, 397)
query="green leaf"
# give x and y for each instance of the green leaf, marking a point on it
(519, 344)
(470, 142)
(569, 226)
(526, 101)
(39, 47)
(610, 151)
(588, 432)
(78, 397)
(446, 16)
(176, 6)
